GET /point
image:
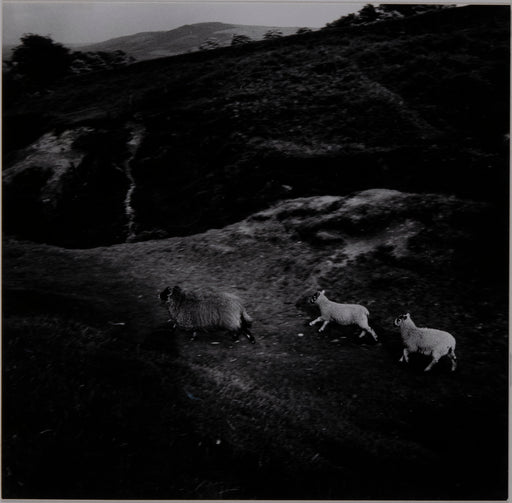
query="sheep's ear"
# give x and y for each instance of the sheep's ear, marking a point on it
(407, 315)
(322, 292)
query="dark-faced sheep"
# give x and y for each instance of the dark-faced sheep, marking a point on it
(207, 311)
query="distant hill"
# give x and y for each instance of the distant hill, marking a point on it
(155, 44)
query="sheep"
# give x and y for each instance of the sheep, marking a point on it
(343, 314)
(427, 341)
(207, 310)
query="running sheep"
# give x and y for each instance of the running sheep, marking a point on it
(207, 310)
(343, 314)
(426, 341)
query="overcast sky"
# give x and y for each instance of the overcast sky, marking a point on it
(74, 21)
(85, 21)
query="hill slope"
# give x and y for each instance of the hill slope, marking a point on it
(155, 44)
(102, 400)
(371, 161)
(205, 139)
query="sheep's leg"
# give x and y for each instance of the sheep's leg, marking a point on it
(367, 329)
(236, 335)
(435, 359)
(372, 333)
(322, 328)
(405, 356)
(317, 320)
(248, 334)
(453, 358)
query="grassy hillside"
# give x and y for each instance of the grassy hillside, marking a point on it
(370, 161)
(156, 44)
(101, 400)
(418, 103)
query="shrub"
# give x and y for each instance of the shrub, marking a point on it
(272, 34)
(39, 60)
(301, 31)
(240, 39)
(211, 43)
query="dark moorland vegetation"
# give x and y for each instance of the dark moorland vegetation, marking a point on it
(417, 103)
(38, 63)
(369, 158)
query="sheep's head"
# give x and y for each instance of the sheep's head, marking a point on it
(398, 321)
(315, 296)
(164, 294)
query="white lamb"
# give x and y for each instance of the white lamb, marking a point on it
(343, 314)
(427, 341)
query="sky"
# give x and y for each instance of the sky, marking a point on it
(86, 21)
